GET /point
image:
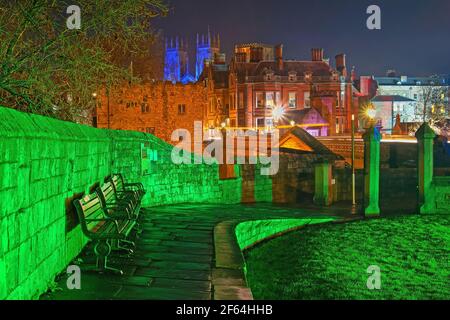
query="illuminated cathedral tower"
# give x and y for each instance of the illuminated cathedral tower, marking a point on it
(176, 65)
(207, 47)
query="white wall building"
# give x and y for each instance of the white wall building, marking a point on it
(412, 88)
(388, 107)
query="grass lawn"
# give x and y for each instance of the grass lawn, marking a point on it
(331, 261)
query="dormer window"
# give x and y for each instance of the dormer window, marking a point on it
(335, 75)
(308, 76)
(292, 76)
(269, 75)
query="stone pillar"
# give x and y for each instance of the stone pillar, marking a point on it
(322, 173)
(425, 136)
(372, 139)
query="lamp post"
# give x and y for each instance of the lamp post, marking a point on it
(353, 167)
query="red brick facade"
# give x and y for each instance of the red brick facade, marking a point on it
(245, 93)
(154, 107)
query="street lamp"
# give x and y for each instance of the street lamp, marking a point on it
(371, 113)
(353, 167)
(278, 114)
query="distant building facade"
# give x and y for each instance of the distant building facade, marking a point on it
(251, 90)
(158, 108)
(257, 89)
(388, 108)
(407, 96)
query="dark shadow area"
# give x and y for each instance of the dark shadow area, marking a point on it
(398, 190)
(71, 214)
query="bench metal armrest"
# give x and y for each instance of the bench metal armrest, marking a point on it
(103, 219)
(138, 185)
(118, 209)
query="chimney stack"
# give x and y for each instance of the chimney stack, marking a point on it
(279, 56)
(256, 54)
(317, 54)
(341, 64)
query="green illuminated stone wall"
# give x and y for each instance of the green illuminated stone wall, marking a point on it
(439, 195)
(45, 163)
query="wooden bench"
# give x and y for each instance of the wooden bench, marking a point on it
(105, 231)
(123, 206)
(123, 189)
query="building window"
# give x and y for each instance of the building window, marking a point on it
(231, 103)
(260, 100)
(150, 130)
(269, 122)
(241, 100)
(145, 108)
(269, 76)
(270, 100)
(219, 104)
(292, 76)
(398, 108)
(307, 101)
(181, 109)
(340, 125)
(292, 100)
(211, 107)
(278, 98)
(260, 122)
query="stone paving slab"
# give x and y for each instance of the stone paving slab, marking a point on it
(175, 256)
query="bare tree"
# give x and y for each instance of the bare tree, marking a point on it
(434, 101)
(49, 69)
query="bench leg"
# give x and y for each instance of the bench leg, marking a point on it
(131, 243)
(118, 246)
(102, 250)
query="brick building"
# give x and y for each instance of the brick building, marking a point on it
(153, 107)
(259, 82)
(248, 92)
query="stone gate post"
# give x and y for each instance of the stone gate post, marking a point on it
(425, 136)
(323, 176)
(372, 138)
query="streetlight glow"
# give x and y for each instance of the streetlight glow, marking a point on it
(278, 113)
(371, 113)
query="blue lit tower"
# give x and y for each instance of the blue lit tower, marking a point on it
(176, 64)
(207, 47)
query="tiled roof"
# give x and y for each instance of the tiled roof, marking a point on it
(313, 143)
(317, 68)
(411, 81)
(393, 98)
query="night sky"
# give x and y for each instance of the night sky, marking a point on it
(414, 39)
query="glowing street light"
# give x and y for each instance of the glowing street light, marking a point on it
(292, 123)
(278, 113)
(371, 113)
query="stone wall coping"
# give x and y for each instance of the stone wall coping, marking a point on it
(229, 272)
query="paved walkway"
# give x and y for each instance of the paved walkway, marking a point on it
(174, 256)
